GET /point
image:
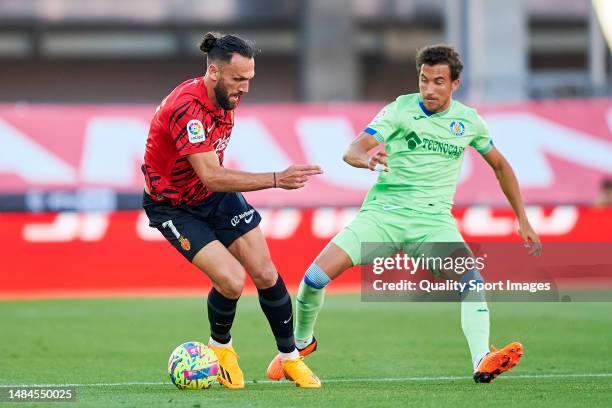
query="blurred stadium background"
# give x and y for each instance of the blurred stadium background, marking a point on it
(79, 81)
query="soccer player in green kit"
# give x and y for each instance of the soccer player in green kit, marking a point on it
(425, 136)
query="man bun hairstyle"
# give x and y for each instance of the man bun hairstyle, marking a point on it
(218, 47)
(440, 54)
(208, 42)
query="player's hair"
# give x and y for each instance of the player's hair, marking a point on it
(440, 54)
(219, 47)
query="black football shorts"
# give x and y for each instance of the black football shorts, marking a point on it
(190, 227)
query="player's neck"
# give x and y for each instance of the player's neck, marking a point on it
(443, 108)
(210, 91)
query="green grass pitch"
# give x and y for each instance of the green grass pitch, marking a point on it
(370, 354)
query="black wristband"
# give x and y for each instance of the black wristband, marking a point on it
(274, 179)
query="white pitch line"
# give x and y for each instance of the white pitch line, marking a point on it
(330, 381)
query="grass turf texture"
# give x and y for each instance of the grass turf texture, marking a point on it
(129, 340)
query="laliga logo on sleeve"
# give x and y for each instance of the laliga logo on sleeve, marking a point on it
(457, 128)
(195, 131)
(379, 116)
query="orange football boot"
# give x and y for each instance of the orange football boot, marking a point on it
(498, 361)
(275, 368)
(230, 374)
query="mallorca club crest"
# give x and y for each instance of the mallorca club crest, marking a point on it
(457, 128)
(185, 244)
(195, 131)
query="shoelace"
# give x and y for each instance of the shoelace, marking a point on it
(223, 350)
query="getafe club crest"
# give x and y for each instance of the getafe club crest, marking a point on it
(457, 128)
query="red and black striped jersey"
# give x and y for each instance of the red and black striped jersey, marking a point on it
(186, 122)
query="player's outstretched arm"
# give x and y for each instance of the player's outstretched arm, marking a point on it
(357, 154)
(509, 185)
(218, 178)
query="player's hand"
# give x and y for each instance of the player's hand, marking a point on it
(530, 238)
(380, 160)
(296, 176)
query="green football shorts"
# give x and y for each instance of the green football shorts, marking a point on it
(397, 229)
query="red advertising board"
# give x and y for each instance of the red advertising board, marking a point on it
(85, 254)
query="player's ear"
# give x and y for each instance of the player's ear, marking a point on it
(213, 72)
(455, 84)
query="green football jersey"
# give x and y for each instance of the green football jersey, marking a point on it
(425, 152)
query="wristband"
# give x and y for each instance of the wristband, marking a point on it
(379, 167)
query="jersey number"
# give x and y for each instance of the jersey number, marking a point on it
(170, 224)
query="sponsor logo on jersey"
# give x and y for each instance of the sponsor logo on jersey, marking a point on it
(447, 149)
(221, 143)
(195, 131)
(457, 128)
(413, 141)
(247, 216)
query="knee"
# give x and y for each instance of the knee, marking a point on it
(264, 274)
(231, 287)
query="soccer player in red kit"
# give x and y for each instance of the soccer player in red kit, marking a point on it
(196, 203)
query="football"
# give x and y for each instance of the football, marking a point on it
(193, 365)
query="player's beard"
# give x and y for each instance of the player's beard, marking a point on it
(223, 97)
